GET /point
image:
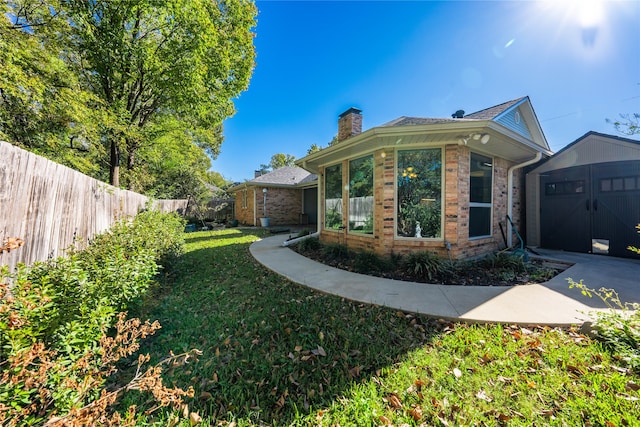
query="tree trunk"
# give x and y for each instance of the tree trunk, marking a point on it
(114, 171)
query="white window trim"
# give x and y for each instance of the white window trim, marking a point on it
(442, 196)
(324, 199)
(483, 205)
(356, 233)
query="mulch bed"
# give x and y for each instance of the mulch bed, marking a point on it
(462, 273)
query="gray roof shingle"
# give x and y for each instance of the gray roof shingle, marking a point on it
(486, 114)
(492, 112)
(286, 175)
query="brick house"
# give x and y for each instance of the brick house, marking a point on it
(445, 185)
(290, 193)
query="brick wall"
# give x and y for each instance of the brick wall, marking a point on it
(245, 215)
(284, 205)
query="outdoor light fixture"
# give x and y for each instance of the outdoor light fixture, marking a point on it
(482, 137)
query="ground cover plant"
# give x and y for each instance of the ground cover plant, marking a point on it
(497, 269)
(276, 353)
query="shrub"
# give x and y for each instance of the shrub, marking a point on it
(395, 260)
(367, 261)
(304, 232)
(336, 251)
(424, 264)
(54, 314)
(618, 328)
(504, 261)
(310, 244)
(160, 235)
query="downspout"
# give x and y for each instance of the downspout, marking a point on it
(299, 239)
(255, 207)
(536, 159)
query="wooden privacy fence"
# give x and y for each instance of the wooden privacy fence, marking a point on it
(50, 206)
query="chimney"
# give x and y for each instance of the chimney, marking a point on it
(349, 123)
(257, 173)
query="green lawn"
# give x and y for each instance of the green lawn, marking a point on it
(276, 353)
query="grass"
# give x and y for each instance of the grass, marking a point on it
(276, 353)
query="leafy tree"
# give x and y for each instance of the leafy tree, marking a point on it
(627, 124)
(183, 58)
(149, 60)
(43, 107)
(277, 161)
(314, 149)
(216, 178)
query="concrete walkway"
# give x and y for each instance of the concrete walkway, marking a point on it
(550, 303)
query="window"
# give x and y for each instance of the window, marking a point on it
(480, 196)
(333, 197)
(564, 188)
(419, 193)
(628, 183)
(361, 195)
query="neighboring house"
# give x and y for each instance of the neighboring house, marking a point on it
(290, 192)
(441, 185)
(586, 198)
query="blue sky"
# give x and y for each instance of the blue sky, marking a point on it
(577, 60)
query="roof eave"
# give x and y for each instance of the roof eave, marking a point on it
(376, 138)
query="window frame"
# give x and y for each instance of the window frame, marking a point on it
(324, 200)
(483, 205)
(348, 193)
(441, 236)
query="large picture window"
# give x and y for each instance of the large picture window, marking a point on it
(333, 197)
(419, 193)
(480, 196)
(361, 195)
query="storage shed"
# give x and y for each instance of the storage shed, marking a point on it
(586, 197)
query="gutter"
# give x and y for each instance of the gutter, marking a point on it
(299, 239)
(536, 159)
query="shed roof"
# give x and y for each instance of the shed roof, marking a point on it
(592, 147)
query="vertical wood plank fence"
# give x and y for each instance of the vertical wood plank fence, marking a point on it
(51, 206)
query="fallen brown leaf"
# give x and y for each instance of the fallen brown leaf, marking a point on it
(194, 419)
(631, 386)
(416, 413)
(394, 401)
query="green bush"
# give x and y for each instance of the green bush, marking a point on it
(304, 232)
(65, 305)
(424, 264)
(619, 328)
(366, 261)
(504, 261)
(336, 251)
(160, 235)
(310, 244)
